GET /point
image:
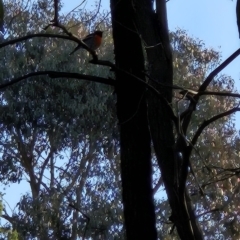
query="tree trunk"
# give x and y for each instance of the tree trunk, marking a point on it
(153, 27)
(136, 169)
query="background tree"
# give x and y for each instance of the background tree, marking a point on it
(51, 135)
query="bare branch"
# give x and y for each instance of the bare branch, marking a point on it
(192, 93)
(157, 186)
(46, 35)
(55, 19)
(8, 218)
(186, 115)
(70, 37)
(213, 119)
(55, 74)
(77, 209)
(76, 7)
(43, 167)
(87, 218)
(109, 81)
(227, 176)
(56, 23)
(210, 211)
(226, 94)
(218, 70)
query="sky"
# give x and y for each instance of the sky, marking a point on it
(213, 21)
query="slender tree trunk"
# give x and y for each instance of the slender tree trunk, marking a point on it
(152, 26)
(136, 169)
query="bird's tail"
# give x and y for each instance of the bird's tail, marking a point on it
(75, 49)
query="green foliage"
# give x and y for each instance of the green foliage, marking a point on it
(13, 235)
(60, 134)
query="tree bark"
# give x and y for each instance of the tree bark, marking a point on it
(136, 169)
(153, 27)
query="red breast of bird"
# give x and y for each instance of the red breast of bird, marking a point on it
(92, 40)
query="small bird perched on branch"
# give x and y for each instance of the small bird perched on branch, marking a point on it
(92, 40)
(238, 15)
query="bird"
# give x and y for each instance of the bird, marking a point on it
(238, 15)
(92, 40)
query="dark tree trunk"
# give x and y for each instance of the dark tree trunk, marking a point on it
(153, 27)
(136, 169)
(130, 20)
